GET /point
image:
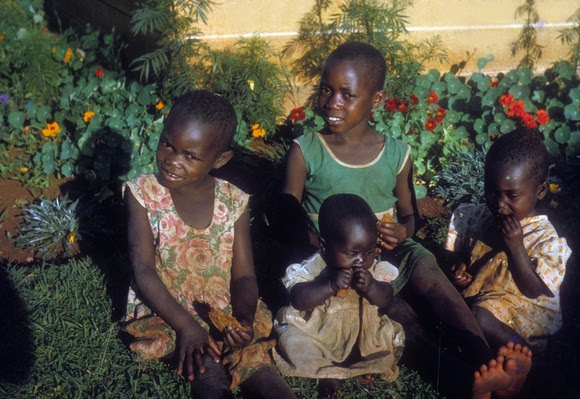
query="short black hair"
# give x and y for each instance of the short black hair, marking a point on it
(522, 146)
(368, 55)
(340, 210)
(207, 108)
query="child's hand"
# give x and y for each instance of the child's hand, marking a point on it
(512, 232)
(459, 276)
(237, 337)
(341, 279)
(391, 234)
(362, 279)
(191, 344)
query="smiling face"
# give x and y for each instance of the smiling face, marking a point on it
(353, 246)
(188, 150)
(512, 190)
(346, 96)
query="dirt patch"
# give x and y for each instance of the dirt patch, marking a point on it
(432, 207)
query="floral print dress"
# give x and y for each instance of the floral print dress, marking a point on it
(194, 264)
(472, 232)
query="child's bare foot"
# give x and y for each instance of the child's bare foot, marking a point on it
(327, 387)
(366, 379)
(522, 355)
(493, 376)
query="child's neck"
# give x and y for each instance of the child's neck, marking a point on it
(355, 148)
(194, 203)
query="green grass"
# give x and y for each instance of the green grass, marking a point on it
(62, 343)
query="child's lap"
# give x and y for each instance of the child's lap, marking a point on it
(405, 257)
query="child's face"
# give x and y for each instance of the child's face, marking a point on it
(187, 152)
(355, 246)
(512, 190)
(346, 97)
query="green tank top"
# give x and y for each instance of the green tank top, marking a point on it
(326, 175)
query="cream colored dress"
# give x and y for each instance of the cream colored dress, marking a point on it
(317, 343)
(472, 232)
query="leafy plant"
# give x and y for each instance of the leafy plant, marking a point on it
(571, 37)
(50, 228)
(462, 180)
(528, 39)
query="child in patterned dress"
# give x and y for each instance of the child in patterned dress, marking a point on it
(189, 241)
(509, 260)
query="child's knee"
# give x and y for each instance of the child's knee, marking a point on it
(213, 383)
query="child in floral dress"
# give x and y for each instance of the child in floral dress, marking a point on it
(189, 241)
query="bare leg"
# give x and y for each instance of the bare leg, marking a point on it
(493, 376)
(366, 379)
(496, 332)
(267, 383)
(327, 387)
(428, 283)
(522, 356)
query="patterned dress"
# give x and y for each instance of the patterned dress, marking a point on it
(194, 264)
(472, 232)
(318, 343)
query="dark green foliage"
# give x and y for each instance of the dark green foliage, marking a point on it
(462, 180)
(527, 40)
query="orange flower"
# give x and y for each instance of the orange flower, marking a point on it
(257, 132)
(1, 38)
(432, 98)
(391, 104)
(67, 56)
(542, 117)
(506, 99)
(554, 188)
(160, 105)
(516, 108)
(528, 120)
(51, 130)
(441, 113)
(87, 116)
(492, 137)
(99, 72)
(413, 99)
(431, 124)
(494, 83)
(297, 114)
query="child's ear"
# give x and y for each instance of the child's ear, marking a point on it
(542, 190)
(223, 159)
(379, 99)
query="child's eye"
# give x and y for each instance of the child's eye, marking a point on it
(348, 96)
(164, 143)
(324, 90)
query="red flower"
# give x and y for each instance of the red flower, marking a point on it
(542, 117)
(492, 137)
(413, 99)
(99, 72)
(371, 115)
(432, 98)
(494, 83)
(431, 124)
(401, 106)
(516, 108)
(391, 104)
(506, 99)
(440, 113)
(528, 120)
(297, 114)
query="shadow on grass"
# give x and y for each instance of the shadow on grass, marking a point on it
(16, 338)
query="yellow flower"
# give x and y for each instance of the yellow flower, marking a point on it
(67, 56)
(255, 126)
(23, 169)
(160, 105)
(554, 204)
(71, 238)
(258, 133)
(554, 188)
(51, 130)
(251, 83)
(87, 116)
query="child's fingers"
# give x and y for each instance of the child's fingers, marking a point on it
(215, 349)
(196, 357)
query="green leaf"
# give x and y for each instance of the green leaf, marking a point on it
(481, 138)
(571, 112)
(479, 125)
(115, 123)
(67, 169)
(43, 113)
(481, 63)
(66, 150)
(420, 191)
(507, 126)
(525, 75)
(538, 96)
(562, 135)
(433, 75)
(16, 119)
(144, 97)
(552, 147)
(499, 117)
(453, 85)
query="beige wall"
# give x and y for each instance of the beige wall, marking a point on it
(480, 27)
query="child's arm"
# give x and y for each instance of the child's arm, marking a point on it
(520, 264)
(378, 293)
(393, 234)
(308, 295)
(295, 177)
(243, 286)
(457, 271)
(192, 340)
